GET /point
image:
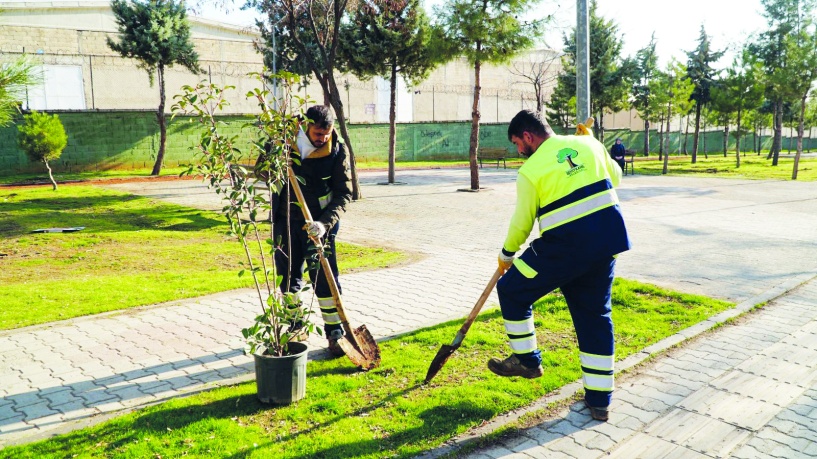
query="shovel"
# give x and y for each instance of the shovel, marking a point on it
(358, 344)
(447, 350)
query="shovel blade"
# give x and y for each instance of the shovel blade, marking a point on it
(361, 348)
(445, 352)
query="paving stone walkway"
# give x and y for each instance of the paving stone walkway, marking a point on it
(730, 239)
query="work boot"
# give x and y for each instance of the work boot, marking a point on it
(513, 367)
(598, 413)
(334, 347)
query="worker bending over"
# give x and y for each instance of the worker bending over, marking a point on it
(567, 185)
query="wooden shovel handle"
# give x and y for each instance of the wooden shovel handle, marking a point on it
(477, 307)
(327, 270)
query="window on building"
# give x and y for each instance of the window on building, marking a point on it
(62, 89)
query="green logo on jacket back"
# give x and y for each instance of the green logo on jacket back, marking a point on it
(567, 155)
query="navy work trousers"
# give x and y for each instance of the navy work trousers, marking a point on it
(586, 286)
(301, 250)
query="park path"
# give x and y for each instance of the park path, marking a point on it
(730, 239)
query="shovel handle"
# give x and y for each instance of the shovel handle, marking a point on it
(477, 307)
(327, 270)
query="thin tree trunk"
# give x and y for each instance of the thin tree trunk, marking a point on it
(475, 116)
(160, 116)
(392, 120)
(337, 104)
(737, 140)
(754, 138)
(697, 132)
(50, 176)
(646, 138)
(777, 143)
(800, 129)
(601, 126)
(706, 154)
(725, 138)
(661, 140)
(686, 136)
(666, 155)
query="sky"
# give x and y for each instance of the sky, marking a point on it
(676, 24)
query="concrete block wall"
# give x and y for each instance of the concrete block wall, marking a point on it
(424, 141)
(128, 139)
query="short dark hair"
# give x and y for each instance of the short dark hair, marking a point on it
(528, 121)
(320, 116)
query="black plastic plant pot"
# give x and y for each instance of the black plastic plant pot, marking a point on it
(282, 380)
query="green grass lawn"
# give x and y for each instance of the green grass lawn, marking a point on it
(133, 251)
(387, 412)
(752, 166)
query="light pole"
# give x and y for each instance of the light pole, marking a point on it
(582, 61)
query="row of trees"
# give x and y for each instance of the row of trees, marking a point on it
(391, 38)
(771, 76)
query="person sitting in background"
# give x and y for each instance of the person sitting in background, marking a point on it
(617, 152)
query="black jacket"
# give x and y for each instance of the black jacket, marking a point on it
(618, 150)
(326, 185)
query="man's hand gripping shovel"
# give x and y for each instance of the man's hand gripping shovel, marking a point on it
(358, 344)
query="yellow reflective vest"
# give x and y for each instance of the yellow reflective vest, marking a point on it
(567, 186)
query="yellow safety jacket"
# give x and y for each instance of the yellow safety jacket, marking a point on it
(568, 186)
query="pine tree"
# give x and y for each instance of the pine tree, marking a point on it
(42, 137)
(484, 32)
(700, 71)
(643, 95)
(157, 34)
(388, 37)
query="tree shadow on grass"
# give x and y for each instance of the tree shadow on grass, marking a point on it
(439, 423)
(102, 214)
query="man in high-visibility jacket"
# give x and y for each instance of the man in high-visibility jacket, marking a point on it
(567, 185)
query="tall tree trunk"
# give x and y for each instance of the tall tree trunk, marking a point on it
(646, 138)
(601, 126)
(800, 129)
(697, 132)
(392, 120)
(160, 116)
(666, 155)
(329, 85)
(754, 139)
(737, 140)
(686, 135)
(475, 116)
(725, 138)
(661, 139)
(703, 146)
(777, 143)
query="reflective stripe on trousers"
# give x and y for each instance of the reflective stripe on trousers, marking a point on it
(328, 311)
(522, 335)
(597, 371)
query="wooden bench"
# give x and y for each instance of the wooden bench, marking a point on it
(629, 157)
(493, 154)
